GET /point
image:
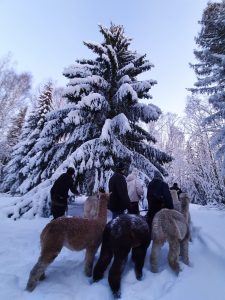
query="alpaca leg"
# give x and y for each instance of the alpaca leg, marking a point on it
(116, 271)
(35, 275)
(154, 256)
(138, 257)
(190, 228)
(89, 259)
(173, 255)
(102, 263)
(184, 251)
(42, 277)
(38, 271)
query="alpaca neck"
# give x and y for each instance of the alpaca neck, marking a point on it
(185, 207)
(102, 211)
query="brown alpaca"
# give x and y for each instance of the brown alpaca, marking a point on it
(74, 233)
(170, 225)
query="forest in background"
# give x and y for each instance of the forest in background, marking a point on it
(101, 117)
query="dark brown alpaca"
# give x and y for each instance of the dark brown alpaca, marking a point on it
(74, 233)
(120, 235)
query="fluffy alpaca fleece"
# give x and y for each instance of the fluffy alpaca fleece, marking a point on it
(91, 206)
(184, 200)
(120, 235)
(182, 206)
(74, 233)
(176, 201)
(170, 225)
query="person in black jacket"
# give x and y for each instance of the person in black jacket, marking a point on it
(158, 196)
(59, 193)
(119, 199)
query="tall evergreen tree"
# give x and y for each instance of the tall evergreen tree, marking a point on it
(27, 161)
(210, 70)
(101, 123)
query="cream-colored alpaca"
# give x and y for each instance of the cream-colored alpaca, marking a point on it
(74, 233)
(182, 206)
(184, 200)
(176, 201)
(91, 207)
(170, 225)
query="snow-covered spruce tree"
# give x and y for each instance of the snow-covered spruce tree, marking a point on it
(210, 70)
(26, 162)
(100, 125)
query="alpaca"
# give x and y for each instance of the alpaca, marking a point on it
(170, 225)
(91, 207)
(182, 206)
(74, 233)
(120, 235)
(184, 200)
(176, 201)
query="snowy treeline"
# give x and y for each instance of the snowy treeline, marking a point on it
(197, 141)
(210, 72)
(99, 119)
(14, 92)
(195, 167)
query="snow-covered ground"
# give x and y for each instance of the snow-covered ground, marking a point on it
(204, 280)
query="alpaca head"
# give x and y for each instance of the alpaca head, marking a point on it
(104, 197)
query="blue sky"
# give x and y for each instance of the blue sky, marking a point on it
(45, 36)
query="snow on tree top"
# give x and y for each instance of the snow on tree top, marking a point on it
(92, 80)
(93, 101)
(124, 90)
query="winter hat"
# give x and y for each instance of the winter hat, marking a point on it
(120, 166)
(70, 171)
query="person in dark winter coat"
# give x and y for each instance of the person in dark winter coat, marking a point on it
(59, 193)
(158, 196)
(119, 199)
(176, 188)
